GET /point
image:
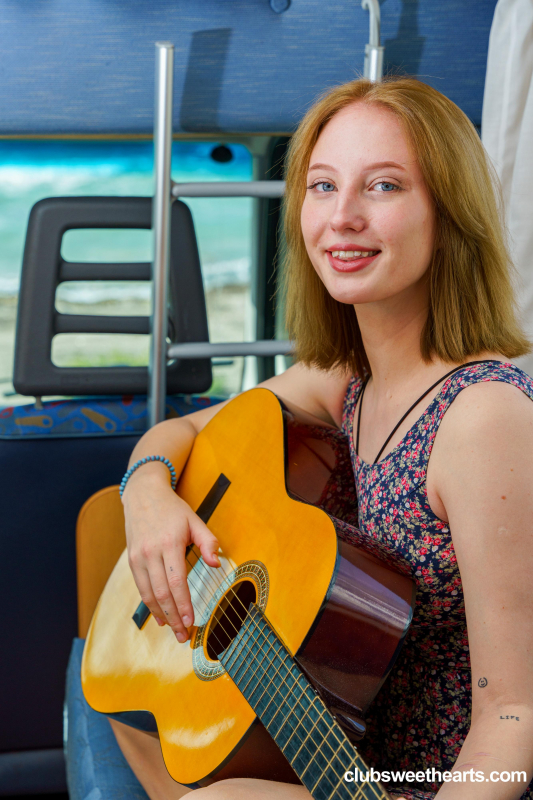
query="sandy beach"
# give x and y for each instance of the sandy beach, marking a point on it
(228, 310)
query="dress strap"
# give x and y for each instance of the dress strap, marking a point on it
(455, 369)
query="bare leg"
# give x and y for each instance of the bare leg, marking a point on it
(252, 789)
(142, 751)
(244, 789)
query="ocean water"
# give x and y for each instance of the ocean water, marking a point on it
(32, 170)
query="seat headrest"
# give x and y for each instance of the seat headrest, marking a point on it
(43, 268)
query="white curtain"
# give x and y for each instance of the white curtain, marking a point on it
(507, 133)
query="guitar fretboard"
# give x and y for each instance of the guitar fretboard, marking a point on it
(299, 722)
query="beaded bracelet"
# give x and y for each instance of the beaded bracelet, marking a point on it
(140, 462)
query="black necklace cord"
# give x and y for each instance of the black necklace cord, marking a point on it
(359, 415)
(461, 366)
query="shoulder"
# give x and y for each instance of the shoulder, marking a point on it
(490, 406)
(315, 391)
(485, 440)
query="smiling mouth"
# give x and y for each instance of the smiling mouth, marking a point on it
(351, 260)
(350, 255)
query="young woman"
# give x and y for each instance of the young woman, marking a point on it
(397, 275)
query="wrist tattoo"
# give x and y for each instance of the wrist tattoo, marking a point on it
(482, 682)
(510, 717)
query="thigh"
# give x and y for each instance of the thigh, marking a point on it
(142, 751)
(252, 789)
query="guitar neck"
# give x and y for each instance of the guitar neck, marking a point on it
(299, 722)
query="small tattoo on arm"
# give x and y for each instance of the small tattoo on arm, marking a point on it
(482, 682)
(510, 717)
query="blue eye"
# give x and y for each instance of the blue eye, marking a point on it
(387, 187)
(326, 186)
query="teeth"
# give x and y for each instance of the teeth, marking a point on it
(347, 254)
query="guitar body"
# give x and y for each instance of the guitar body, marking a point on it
(339, 610)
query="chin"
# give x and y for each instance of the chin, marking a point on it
(351, 295)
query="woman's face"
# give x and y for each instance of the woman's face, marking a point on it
(367, 219)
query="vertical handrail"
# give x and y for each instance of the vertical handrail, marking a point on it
(161, 227)
(373, 50)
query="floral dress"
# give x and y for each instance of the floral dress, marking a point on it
(421, 716)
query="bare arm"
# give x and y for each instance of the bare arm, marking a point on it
(160, 525)
(483, 468)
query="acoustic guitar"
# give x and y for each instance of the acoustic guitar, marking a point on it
(294, 634)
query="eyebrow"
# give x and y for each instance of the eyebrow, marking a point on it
(370, 168)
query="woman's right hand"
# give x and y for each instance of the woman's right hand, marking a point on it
(159, 528)
(160, 525)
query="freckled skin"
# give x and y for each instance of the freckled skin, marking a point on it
(358, 211)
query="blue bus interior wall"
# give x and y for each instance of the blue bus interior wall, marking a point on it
(240, 67)
(87, 68)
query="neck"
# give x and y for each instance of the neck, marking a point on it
(391, 332)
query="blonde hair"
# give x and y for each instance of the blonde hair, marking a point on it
(472, 306)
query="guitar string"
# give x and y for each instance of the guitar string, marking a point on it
(332, 730)
(303, 741)
(309, 732)
(323, 773)
(341, 742)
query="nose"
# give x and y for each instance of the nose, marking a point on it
(347, 213)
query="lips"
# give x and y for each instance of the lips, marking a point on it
(350, 259)
(348, 254)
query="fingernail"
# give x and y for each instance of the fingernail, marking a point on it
(186, 621)
(181, 637)
(159, 621)
(217, 559)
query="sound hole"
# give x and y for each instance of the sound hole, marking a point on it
(229, 617)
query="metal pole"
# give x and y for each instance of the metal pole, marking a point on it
(373, 50)
(161, 227)
(265, 347)
(268, 189)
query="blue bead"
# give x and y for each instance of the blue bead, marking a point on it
(145, 460)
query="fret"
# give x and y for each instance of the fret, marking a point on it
(268, 680)
(235, 649)
(248, 690)
(368, 791)
(324, 779)
(272, 682)
(297, 719)
(300, 712)
(259, 665)
(286, 682)
(309, 733)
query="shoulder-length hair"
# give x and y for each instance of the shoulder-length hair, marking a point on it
(471, 303)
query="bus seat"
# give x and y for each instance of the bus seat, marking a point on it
(100, 539)
(43, 269)
(56, 454)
